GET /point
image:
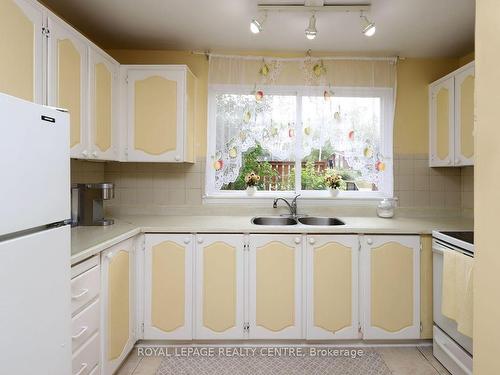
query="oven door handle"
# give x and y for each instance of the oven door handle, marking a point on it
(438, 248)
(443, 347)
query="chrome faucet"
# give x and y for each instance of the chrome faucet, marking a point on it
(291, 206)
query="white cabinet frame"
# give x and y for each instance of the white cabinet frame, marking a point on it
(60, 30)
(369, 242)
(129, 245)
(129, 75)
(238, 242)
(452, 83)
(292, 332)
(186, 331)
(96, 56)
(313, 243)
(461, 75)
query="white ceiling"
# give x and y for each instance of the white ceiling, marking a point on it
(410, 28)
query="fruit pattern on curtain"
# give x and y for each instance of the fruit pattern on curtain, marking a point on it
(350, 125)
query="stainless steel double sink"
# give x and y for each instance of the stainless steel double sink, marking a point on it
(287, 220)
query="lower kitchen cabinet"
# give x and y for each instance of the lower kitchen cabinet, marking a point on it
(118, 312)
(219, 284)
(275, 287)
(390, 277)
(168, 286)
(332, 287)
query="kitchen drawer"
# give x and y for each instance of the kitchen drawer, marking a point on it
(453, 357)
(84, 265)
(87, 357)
(84, 288)
(84, 325)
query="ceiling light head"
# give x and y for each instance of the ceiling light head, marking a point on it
(311, 30)
(367, 27)
(256, 25)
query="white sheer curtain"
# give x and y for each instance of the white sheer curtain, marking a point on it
(255, 103)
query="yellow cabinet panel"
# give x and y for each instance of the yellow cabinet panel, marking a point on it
(467, 117)
(392, 287)
(118, 304)
(69, 86)
(103, 107)
(332, 286)
(219, 286)
(275, 286)
(155, 109)
(443, 123)
(17, 64)
(168, 286)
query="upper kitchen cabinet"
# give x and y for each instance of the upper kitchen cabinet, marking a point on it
(160, 102)
(464, 116)
(452, 119)
(22, 64)
(103, 100)
(68, 80)
(390, 283)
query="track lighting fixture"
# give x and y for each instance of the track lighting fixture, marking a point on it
(368, 27)
(311, 30)
(256, 25)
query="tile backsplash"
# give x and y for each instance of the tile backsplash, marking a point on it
(156, 183)
(417, 185)
(165, 184)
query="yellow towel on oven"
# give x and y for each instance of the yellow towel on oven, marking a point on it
(465, 304)
(457, 297)
(449, 287)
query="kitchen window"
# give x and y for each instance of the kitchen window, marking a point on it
(293, 135)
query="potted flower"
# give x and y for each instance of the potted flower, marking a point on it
(251, 180)
(333, 183)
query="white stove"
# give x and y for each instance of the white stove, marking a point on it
(451, 348)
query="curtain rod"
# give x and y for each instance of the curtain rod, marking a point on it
(308, 55)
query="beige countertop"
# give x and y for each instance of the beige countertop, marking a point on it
(88, 241)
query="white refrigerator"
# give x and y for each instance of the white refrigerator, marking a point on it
(35, 315)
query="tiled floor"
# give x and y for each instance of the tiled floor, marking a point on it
(409, 360)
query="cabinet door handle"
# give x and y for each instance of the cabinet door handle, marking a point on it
(187, 240)
(94, 154)
(448, 162)
(77, 296)
(369, 241)
(82, 369)
(200, 240)
(312, 241)
(297, 240)
(109, 255)
(85, 153)
(79, 334)
(177, 158)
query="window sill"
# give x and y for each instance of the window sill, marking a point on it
(306, 198)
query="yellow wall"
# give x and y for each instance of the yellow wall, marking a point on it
(486, 182)
(411, 123)
(411, 126)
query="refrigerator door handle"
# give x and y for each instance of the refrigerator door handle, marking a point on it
(77, 296)
(79, 334)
